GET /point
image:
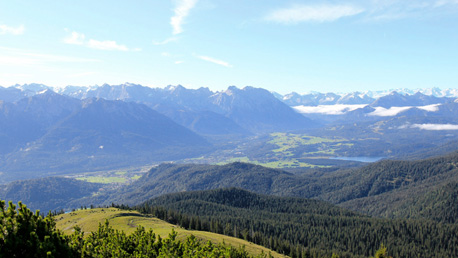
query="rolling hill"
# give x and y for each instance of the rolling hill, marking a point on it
(170, 178)
(127, 221)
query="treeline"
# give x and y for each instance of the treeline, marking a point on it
(298, 228)
(26, 234)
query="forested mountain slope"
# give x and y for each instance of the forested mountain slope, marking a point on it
(393, 189)
(170, 178)
(430, 200)
(47, 194)
(380, 189)
(301, 227)
(387, 175)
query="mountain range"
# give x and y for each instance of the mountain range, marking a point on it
(367, 97)
(51, 137)
(57, 131)
(173, 98)
(51, 133)
(251, 110)
(137, 92)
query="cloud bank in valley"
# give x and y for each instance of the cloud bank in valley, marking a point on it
(430, 127)
(327, 109)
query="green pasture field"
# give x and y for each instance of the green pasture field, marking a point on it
(123, 176)
(88, 220)
(103, 180)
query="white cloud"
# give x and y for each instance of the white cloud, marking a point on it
(430, 108)
(339, 109)
(54, 58)
(19, 57)
(80, 39)
(75, 38)
(4, 29)
(372, 11)
(393, 111)
(388, 16)
(8, 60)
(309, 13)
(179, 62)
(431, 127)
(166, 41)
(386, 10)
(106, 45)
(440, 3)
(181, 11)
(215, 61)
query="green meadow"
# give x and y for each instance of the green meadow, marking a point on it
(89, 219)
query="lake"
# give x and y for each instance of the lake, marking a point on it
(359, 159)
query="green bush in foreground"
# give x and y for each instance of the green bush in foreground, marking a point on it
(26, 234)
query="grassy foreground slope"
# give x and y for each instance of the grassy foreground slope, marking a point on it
(127, 221)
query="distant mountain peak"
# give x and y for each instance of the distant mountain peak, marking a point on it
(47, 92)
(32, 87)
(174, 88)
(247, 88)
(232, 88)
(128, 84)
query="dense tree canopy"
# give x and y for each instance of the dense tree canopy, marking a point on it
(300, 227)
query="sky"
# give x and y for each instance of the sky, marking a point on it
(279, 45)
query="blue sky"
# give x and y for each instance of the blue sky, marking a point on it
(279, 45)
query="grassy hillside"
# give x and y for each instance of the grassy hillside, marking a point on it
(128, 221)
